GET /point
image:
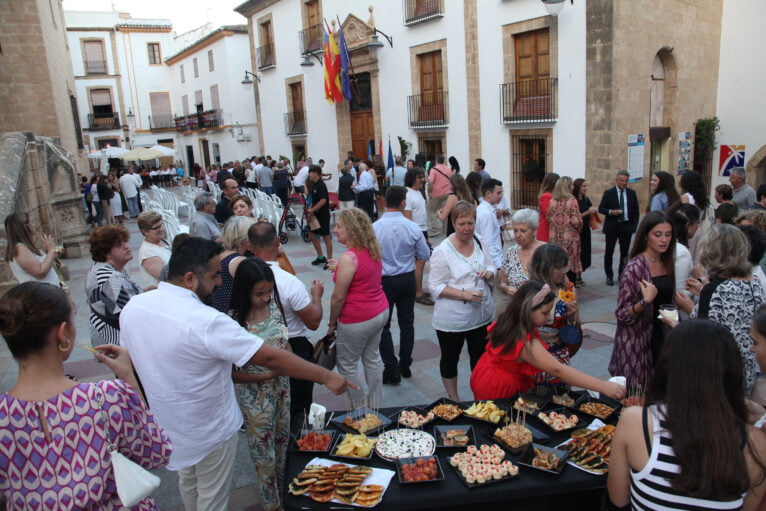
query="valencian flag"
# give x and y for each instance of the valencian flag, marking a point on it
(332, 91)
(345, 62)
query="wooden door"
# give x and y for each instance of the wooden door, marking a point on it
(296, 95)
(431, 86)
(533, 67)
(313, 26)
(362, 131)
(205, 152)
(431, 148)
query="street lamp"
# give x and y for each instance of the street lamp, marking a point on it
(247, 81)
(554, 6)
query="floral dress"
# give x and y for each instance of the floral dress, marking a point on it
(513, 268)
(266, 407)
(565, 224)
(61, 461)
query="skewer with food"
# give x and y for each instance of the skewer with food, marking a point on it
(364, 423)
(515, 435)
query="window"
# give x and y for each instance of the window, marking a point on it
(76, 117)
(210, 62)
(266, 50)
(196, 67)
(103, 117)
(185, 104)
(296, 118)
(531, 97)
(183, 75)
(95, 60)
(428, 109)
(161, 115)
(155, 57)
(214, 101)
(198, 100)
(528, 167)
(418, 11)
(312, 33)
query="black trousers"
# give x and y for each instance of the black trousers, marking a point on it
(611, 241)
(301, 391)
(367, 203)
(400, 291)
(451, 344)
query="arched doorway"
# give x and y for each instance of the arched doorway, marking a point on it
(756, 168)
(662, 101)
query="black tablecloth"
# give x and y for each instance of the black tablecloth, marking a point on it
(452, 493)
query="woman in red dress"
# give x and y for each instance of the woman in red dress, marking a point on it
(546, 194)
(514, 353)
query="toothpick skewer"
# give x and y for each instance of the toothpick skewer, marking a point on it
(88, 348)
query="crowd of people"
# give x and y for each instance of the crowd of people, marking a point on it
(217, 336)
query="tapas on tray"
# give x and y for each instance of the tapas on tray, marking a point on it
(558, 420)
(311, 440)
(419, 470)
(454, 436)
(589, 449)
(414, 417)
(354, 446)
(486, 411)
(446, 409)
(364, 420)
(597, 409)
(482, 465)
(339, 481)
(543, 458)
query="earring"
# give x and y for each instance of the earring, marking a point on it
(68, 346)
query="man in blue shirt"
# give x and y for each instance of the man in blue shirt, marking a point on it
(402, 242)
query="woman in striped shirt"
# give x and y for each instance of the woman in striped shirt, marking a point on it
(697, 450)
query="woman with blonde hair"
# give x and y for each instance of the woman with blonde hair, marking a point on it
(154, 252)
(235, 244)
(27, 262)
(565, 224)
(358, 307)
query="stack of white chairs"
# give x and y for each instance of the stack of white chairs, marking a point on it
(215, 190)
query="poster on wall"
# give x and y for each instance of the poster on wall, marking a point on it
(731, 157)
(635, 157)
(684, 152)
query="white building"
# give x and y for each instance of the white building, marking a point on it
(494, 80)
(122, 83)
(214, 113)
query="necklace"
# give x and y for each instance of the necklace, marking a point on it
(652, 259)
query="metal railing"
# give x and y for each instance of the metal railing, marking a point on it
(418, 11)
(158, 122)
(95, 67)
(104, 121)
(199, 121)
(429, 110)
(310, 39)
(528, 101)
(266, 56)
(295, 123)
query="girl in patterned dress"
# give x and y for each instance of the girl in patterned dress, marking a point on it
(263, 396)
(55, 432)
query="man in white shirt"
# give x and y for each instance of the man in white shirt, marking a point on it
(395, 175)
(415, 210)
(486, 220)
(365, 190)
(303, 175)
(129, 186)
(183, 352)
(303, 312)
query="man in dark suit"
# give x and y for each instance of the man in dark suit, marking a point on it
(619, 205)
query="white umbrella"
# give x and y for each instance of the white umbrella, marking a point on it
(165, 150)
(142, 154)
(108, 151)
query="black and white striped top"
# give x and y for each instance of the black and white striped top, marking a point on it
(107, 291)
(650, 488)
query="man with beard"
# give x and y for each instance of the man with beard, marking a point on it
(183, 352)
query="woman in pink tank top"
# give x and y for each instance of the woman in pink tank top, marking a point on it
(359, 308)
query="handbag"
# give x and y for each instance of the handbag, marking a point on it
(134, 483)
(324, 351)
(571, 334)
(595, 220)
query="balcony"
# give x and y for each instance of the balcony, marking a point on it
(310, 39)
(99, 122)
(528, 101)
(161, 122)
(199, 121)
(420, 11)
(95, 67)
(295, 123)
(265, 56)
(429, 110)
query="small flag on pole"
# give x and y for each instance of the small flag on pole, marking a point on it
(390, 155)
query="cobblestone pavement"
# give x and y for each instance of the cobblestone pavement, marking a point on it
(597, 302)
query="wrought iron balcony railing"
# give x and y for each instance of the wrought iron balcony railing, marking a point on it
(95, 67)
(418, 11)
(159, 122)
(528, 101)
(310, 39)
(265, 56)
(110, 121)
(428, 110)
(295, 123)
(199, 121)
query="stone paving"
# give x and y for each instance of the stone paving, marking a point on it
(597, 303)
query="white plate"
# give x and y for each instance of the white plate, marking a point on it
(404, 443)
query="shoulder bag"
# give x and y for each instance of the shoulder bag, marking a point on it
(324, 351)
(134, 483)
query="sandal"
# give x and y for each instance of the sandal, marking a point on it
(424, 300)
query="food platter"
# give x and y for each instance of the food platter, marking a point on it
(413, 417)
(566, 412)
(343, 421)
(485, 411)
(312, 440)
(479, 466)
(408, 468)
(441, 406)
(404, 443)
(558, 399)
(591, 448)
(324, 480)
(601, 408)
(535, 450)
(340, 440)
(443, 433)
(529, 403)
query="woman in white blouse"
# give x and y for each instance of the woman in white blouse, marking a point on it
(154, 253)
(26, 260)
(459, 282)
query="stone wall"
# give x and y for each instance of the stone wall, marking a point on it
(623, 39)
(38, 177)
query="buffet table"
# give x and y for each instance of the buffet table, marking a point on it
(532, 489)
